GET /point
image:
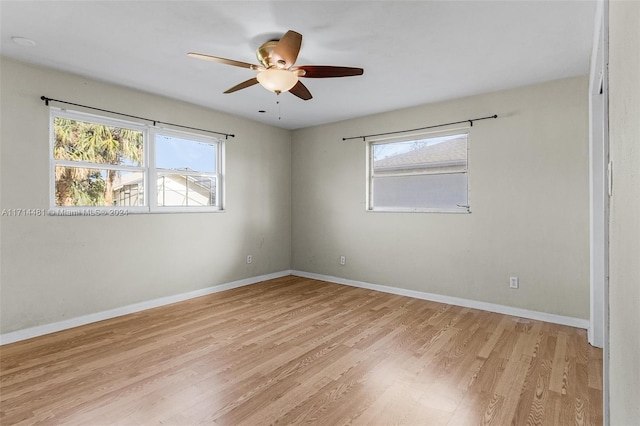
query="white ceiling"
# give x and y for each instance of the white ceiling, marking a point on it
(413, 52)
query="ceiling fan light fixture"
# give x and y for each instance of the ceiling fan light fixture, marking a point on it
(277, 80)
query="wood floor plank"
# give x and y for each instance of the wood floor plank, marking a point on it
(296, 350)
(558, 375)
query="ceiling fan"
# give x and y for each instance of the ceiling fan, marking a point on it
(277, 72)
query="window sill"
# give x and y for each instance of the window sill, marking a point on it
(418, 210)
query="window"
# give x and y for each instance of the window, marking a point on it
(419, 174)
(102, 162)
(186, 171)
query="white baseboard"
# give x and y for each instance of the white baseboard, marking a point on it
(28, 333)
(457, 301)
(40, 330)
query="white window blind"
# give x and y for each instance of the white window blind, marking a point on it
(427, 173)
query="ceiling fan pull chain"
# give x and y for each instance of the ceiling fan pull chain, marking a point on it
(278, 104)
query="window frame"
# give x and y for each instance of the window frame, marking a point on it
(153, 172)
(148, 167)
(370, 175)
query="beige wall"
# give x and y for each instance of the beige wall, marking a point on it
(529, 198)
(56, 268)
(624, 268)
(529, 195)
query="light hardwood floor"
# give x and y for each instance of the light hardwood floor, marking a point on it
(297, 351)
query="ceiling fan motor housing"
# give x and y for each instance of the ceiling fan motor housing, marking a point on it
(264, 54)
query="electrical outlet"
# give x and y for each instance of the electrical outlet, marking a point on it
(343, 260)
(513, 282)
(249, 259)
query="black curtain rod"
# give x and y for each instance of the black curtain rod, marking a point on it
(470, 121)
(47, 100)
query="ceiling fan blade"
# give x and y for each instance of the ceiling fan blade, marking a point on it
(327, 71)
(224, 61)
(243, 85)
(286, 51)
(301, 91)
